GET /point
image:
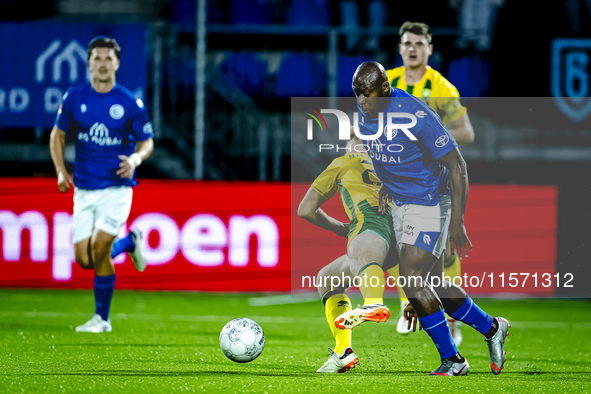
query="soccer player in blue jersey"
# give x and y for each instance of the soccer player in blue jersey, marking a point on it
(113, 136)
(423, 171)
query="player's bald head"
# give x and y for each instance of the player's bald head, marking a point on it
(369, 76)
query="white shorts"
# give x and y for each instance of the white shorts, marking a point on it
(103, 209)
(423, 226)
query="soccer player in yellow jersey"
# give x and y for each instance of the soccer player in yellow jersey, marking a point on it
(369, 234)
(420, 80)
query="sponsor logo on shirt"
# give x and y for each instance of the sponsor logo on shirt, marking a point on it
(441, 141)
(394, 132)
(116, 111)
(147, 129)
(99, 134)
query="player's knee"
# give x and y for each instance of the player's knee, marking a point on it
(82, 258)
(83, 261)
(86, 265)
(101, 251)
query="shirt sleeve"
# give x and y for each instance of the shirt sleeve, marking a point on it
(326, 184)
(65, 112)
(448, 102)
(435, 137)
(141, 125)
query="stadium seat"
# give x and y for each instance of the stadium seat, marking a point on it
(252, 12)
(470, 75)
(301, 75)
(458, 75)
(247, 71)
(183, 14)
(308, 13)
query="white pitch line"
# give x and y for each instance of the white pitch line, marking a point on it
(186, 318)
(269, 319)
(283, 299)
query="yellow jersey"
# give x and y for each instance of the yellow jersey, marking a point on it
(434, 90)
(354, 178)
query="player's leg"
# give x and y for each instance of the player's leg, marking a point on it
(82, 227)
(415, 265)
(402, 324)
(112, 206)
(452, 268)
(461, 307)
(82, 254)
(419, 230)
(131, 244)
(367, 252)
(332, 291)
(334, 297)
(104, 282)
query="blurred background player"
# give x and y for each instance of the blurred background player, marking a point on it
(113, 137)
(369, 234)
(419, 79)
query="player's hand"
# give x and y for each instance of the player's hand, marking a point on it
(413, 319)
(64, 181)
(126, 167)
(459, 239)
(343, 230)
(383, 198)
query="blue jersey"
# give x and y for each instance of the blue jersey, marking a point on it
(106, 125)
(409, 169)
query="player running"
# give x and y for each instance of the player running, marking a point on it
(369, 234)
(413, 173)
(420, 80)
(113, 136)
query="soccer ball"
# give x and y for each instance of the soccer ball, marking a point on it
(242, 340)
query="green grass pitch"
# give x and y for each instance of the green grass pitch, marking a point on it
(168, 342)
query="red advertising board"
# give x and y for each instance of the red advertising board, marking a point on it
(513, 229)
(209, 236)
(238, 236)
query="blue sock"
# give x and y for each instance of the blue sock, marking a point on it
(437, 328)
(103, 292)
(472, 315)
(125, 244)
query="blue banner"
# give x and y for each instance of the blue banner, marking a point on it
(40, 61)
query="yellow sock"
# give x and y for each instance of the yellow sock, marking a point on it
(372, 285)
(395, 273)
(335, 306)
(452, 267)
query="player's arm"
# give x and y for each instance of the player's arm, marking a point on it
(455, 115)
(309, 210)
(458, 185)
(57, 143)
(143, 150)
(461, 129)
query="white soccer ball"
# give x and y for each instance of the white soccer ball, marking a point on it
(242, 340)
